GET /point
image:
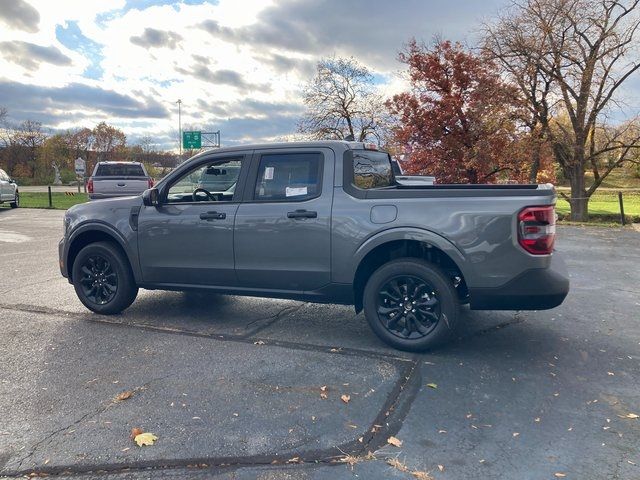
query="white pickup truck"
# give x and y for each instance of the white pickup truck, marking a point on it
(118, 179)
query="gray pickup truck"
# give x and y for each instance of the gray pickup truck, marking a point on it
(118, 179)
(322, 222)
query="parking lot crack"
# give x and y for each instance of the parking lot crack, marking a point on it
(101, 409)
(269, 321)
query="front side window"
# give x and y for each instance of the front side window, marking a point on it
(290, 177)
(371, 169)
(212, 182)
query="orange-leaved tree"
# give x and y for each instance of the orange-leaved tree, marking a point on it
(458, 121)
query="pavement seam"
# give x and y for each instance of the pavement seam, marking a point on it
(213, 336)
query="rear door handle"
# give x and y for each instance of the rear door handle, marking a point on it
(213, 216)
(121, 184)
(302, 214)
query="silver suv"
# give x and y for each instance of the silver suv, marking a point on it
(8, 190)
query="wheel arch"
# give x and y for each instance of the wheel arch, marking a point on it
(93, 233)
(412, 243)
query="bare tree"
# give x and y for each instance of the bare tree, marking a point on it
(572, 56)
(341, 101)
(515, 48)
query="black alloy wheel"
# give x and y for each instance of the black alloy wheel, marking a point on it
(103, 279)
(99, 281)
(408, 306)
(411, 304)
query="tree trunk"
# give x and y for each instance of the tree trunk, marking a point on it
(579, 200)
(535, 165)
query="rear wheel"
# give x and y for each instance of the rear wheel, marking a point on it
(16, 201)
(411, 305)
(102, 278)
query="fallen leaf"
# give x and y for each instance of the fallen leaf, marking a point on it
(515, 434)
(441, 468)
(630, 462)
(324, 392)
(632, 416)
(537, 419)
(135, 432)
(294, 460)
(394, 441)
(259, 342)
(124, 396)
(559, 475)
(145, 439)
(125, 449)
(345, 398)
(419, 475)
(442, 431)
(360, 439)
(432, 385)
(610, 373)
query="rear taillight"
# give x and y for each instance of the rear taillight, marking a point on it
(151, 183)
(537, 229)
(90, 186)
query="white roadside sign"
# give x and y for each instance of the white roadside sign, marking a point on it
(81, 166)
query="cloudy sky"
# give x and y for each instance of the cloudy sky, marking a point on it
(237, 65)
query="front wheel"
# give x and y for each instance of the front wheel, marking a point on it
(16, 201)
(102, 278)
(411, 305)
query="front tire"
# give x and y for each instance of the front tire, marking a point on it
(411, 305)
(16, 201)
(102, 279)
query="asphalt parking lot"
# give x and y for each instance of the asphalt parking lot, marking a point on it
(233, 387)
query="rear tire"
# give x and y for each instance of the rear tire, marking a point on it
(102, 278)
(411, 305)
(16, 201)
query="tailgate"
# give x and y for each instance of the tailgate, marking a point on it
(120, 185)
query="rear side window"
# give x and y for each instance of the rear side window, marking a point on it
(371, 169)
(288, 177)
(120, 170)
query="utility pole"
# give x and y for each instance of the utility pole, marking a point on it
(179, 102)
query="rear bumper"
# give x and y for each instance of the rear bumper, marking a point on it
(98, 196)
(537, 289)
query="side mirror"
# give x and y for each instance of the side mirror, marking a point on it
(151, 197)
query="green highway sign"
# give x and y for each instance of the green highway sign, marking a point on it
(191, 140)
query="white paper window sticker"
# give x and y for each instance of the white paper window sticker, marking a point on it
(268, 173)
(295, 191)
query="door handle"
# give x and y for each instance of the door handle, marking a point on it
(121, 184)
(302, 214)
(213, 216)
